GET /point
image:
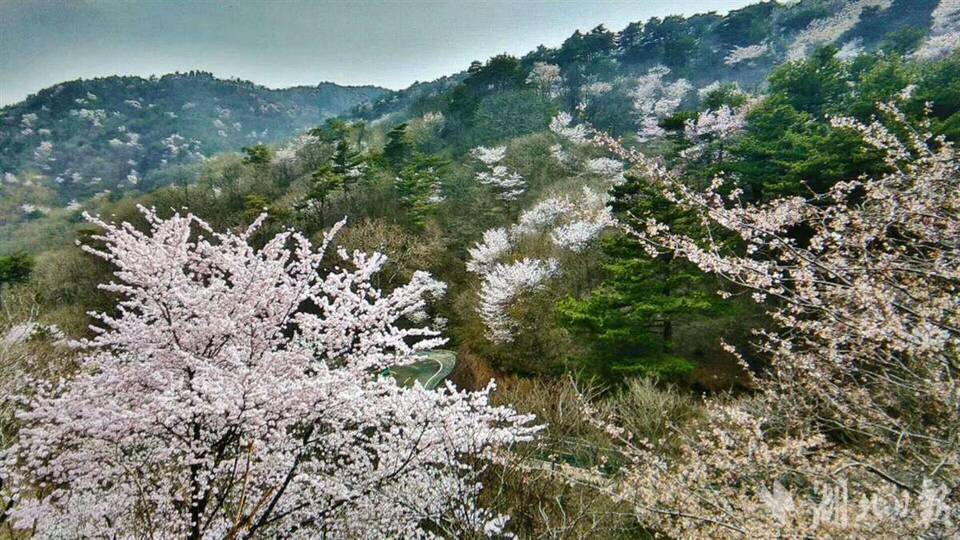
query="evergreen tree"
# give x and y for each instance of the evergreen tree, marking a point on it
(815, 85)
(629, 321)
(259, 154)
(345, 163)
(398, 148)
(324, 182)
(15, 268)
(418, 186)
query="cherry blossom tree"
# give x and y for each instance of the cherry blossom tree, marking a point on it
(944, 32)
(864, 349)
(567, 223)
(546, 78)
(562, 125)
(502, 285)
(744, 54)
(655, 99)
(237, 393)
(829, 29)
(495, 243)
(607, 168)
(508, 184)
(714, 127)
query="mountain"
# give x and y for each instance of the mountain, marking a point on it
(112, 135)
(703, 51)
(82, 137)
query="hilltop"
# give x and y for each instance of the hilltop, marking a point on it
(84, 137)
(597, 72)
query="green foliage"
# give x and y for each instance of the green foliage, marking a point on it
(802, 15)
(939, 84)
(324, 182)
(904, 40)
(257, 155)
(728, 94)
(510, 114)
(666, 39)
(746, 26)
(154, 125)
(788, 152)
(586, 47)
(630, 319)
(615, 112)
(894, 27)
(418, 186)
(344, 163)
(677, 121)
(398, 148)
(15, 268)
(332, 130)
(813, 85)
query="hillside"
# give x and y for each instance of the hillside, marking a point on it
(83, 137)
(713, 259)
(619, 80)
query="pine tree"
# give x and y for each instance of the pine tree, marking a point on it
(15, 268)
(629, 321)
(346, 163)
(398, 148)
(418, 186)
(259, 154)
(324, 182)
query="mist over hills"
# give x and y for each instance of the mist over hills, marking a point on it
(82, 137)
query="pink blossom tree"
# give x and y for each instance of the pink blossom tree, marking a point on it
(237, 393)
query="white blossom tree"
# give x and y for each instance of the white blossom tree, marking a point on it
(507, 183)
(865, 349)
(655, 99)
(829, 29)
(501, 287)
(546, 78)
(237, 393)
(714, 127)
(745, 54)
(568, 223)
(944, 32)
(561, 125)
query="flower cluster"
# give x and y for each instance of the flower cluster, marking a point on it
(827, 30)
(508, 184)
(546, 78)
(561, 126)
(502, 285)
(944, 32)
(212, 404)
(744, 54)
(655, 99)
(865, 346)
(570, 223)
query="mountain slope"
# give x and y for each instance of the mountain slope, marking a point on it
(741, 47)
(82, 137)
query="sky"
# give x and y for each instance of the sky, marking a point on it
(282, 43)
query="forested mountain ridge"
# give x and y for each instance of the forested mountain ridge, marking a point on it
(105, 136)
(740, 47)
(83, 137)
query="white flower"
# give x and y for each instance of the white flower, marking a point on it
(560, 125)
(484, 254)
(502, 285)
(744, 54)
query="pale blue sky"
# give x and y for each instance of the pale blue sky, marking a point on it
(282, 43)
